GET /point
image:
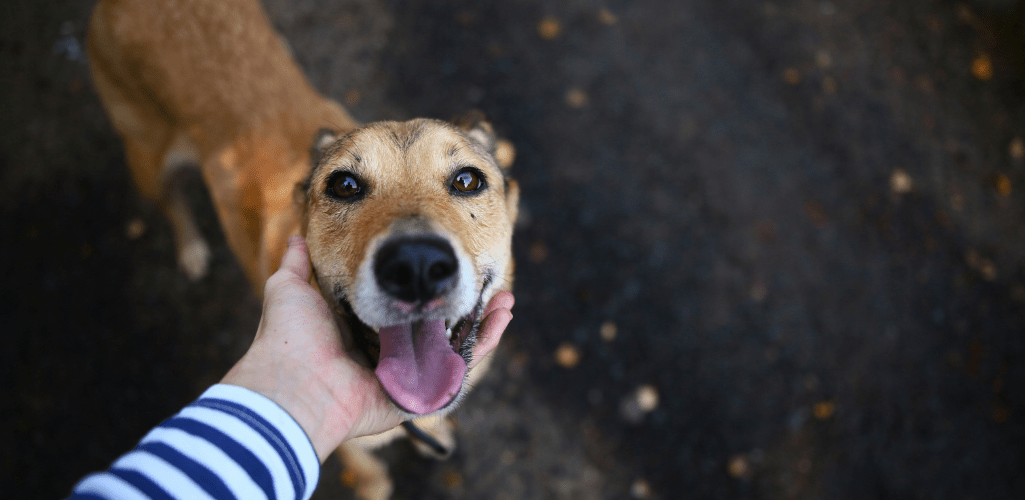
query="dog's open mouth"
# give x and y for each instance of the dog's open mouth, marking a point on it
(421, 364)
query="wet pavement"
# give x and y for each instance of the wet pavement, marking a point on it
(768, 249)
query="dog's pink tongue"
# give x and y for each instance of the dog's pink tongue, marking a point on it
(418, 367)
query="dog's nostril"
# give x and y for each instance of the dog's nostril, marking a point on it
(416, 269)
(440, 270)
(400, 275)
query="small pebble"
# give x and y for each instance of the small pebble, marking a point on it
(549, 28)
(982, 67)
(567, 355)
(1003, 184)
(608, 331)
(824, 410)
(576, 98)
(635, 406)
(507, 458)
(135, 228)
(607, 17)
(640, 489)
(1016, 148)
(900, 182)
(988, 270)
(965, 14)
(739, 467)
(452, 479)
(647, 398)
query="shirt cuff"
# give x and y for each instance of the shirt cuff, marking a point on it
(295, 444)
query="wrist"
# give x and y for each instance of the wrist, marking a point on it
(325, 412)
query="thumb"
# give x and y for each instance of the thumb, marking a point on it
(296, 259)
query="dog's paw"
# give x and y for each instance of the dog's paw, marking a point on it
(194, 258)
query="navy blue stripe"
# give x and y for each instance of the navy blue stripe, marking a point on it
(240, 454)
(142, 483)
(269, 433)
(85, 496)
(196, 471)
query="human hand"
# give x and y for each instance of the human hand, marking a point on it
(297, 359)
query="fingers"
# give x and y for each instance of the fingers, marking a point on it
(295, 268)
(296, 260)
(498, 314)
(501, 300)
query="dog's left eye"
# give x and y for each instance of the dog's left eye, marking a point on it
(468, 180)
(344, 185)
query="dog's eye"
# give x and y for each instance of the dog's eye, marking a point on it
(468, 180)
(344, 185)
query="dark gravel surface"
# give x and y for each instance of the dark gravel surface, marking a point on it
(803, 221)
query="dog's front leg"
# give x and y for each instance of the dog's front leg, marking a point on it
(366, 474)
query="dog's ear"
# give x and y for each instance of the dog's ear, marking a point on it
(301, 199)
(477, 127)
(321, 142)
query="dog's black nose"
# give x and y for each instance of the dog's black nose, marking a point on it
(416, 270)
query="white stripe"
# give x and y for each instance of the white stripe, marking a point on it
(108, 485)
(163, 474)
(210, 456)
(252, 440)
(278, 417)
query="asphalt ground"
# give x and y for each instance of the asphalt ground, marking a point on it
(768, 249)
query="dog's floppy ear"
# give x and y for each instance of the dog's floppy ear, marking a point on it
(475, 124)
(321, 142)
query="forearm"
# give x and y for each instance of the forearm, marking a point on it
(230, 443)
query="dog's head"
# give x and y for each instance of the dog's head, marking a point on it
(409, 227)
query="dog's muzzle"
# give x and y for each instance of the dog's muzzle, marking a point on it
(418, 367)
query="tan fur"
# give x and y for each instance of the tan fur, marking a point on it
(209, 83)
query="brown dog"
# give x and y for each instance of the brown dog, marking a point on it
(408, 224)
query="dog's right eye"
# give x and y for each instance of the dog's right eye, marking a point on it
(344, 185)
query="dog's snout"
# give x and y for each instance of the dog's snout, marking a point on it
(416, 270)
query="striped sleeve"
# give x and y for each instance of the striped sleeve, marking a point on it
(231, 443)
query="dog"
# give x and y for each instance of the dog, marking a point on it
(408, 224)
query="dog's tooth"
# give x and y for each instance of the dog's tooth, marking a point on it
(448, 333)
